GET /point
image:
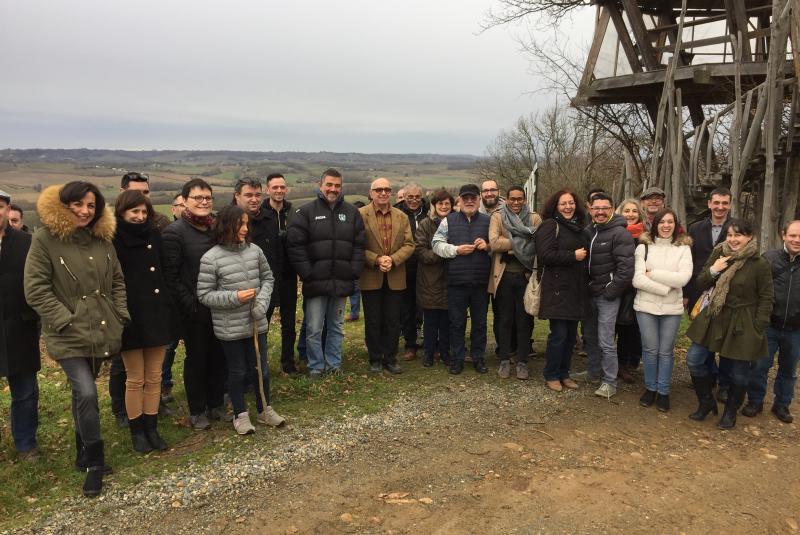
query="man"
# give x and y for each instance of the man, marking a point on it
(401, 196)
(490, 197)
(783, 333)
(388, 247)
(416, 207)
(141, 182)
(177, 208)
(15, 215)
(707, 234)
(652, 202)
(463, 240)
(19, 337)
(326, 248)
(611, 249)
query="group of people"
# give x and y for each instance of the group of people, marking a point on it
(127, 284)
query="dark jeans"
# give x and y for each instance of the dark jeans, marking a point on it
(436, 333)
(382, 323)
(240, 356)
(204, 367)
(788, 343)
(116, 385)
(560, 343)
(410, 316)
(24, 410)
(355, 304)
(287, 295)
(737, 371)
(511, 319)
(459, 299)
(81, 374)
(629, 345)
(721, 374)
(169, 359)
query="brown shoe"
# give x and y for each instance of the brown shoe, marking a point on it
(569, 383)
(625, 375)
(410, 354)
(555, 386)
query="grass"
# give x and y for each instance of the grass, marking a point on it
(33, 490)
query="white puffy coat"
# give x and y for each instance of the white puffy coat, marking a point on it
(670, 267)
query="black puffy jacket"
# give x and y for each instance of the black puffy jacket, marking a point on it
(611, 249)
(326, 247)
(786, 285)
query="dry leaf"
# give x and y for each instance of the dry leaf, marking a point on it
(426, 501)
(346, 517)
(792, 523)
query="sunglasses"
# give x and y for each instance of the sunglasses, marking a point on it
(382, 190)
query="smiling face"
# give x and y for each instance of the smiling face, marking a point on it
(137, 214)
(277, 189)
(443, 208)
(199, 202)
(381, 190)
(84, 209)
(331, 188)
(653, 204)
(515, 201)
(601, 210)
(489, 194)
(666, 227)
(566, 206)
(720, 207)
(736, 240)
(469, 204)
(249, 199)
(791, 238)
(242, 232)
(413, 198)
(631, 213)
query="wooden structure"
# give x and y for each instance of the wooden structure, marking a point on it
(720, 84)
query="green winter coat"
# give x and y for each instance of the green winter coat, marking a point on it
(73, 280)
(738, 331)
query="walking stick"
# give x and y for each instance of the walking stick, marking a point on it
(258, 354)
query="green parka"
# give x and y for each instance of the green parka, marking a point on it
(738, 331)
(73, 280)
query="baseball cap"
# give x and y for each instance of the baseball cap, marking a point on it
(469, 189)
(650, 192)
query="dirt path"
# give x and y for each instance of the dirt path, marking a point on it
(507, 466)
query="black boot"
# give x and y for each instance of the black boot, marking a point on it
(138, 438)
(707, 403)
(151, 432)
(735, 399)
(81, 459)
(93, 483)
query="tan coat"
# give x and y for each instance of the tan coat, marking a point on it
(500, 242)
(401, 249)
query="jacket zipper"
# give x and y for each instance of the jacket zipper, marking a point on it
(591, 248)
(61, 258)
(788, 298)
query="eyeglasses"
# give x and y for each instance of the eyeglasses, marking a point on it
(382, 190)
(602, 208)
(413, 197)
(490, 190)
(201, 198)
(515, 199)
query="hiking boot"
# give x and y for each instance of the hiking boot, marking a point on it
(504, 371)
(606, 391)
(480, 366)
(242, 424)
(782, 413)
(270, 417)
(219, 414)
(393, 368)
(138, 438)
(752, 409)
(522, 371)
(375, 367)
(648, 398)
(569, 383)
(662, 402)
(199, 422)
(428, 361)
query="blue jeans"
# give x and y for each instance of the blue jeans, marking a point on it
(721, 373)
(788, 343)
(436, 333)
(601, 348)
(355, 304)
(738, 370)
(560, 343)
(658, 344)
(240, 355)
(166, 367)
(24, 410)
(459, 298)
(324, 313)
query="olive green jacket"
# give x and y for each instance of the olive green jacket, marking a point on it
(73, 280)
(738, 331)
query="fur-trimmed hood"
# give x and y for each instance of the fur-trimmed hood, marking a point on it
(682, 239)
(57, 217)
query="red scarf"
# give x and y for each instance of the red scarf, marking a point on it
(203, 221)
(636, 230)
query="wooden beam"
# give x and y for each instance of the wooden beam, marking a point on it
(706, 20)
(597, 41)
(625, 39)
(737, 22)
(636, 20)
(715, 41)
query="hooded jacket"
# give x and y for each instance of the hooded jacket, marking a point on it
(74, 281)
(610, 259)
(670, 266)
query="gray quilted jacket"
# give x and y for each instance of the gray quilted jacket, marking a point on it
(224, 270)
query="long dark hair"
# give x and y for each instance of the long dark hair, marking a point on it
(76, 191)
(226, 225)
(131, 198)
(657, 219)
(551, 205)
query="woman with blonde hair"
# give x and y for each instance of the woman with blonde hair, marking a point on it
(629, 340)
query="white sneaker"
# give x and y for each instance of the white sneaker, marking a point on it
(270, 417)
(242, 424)
(606, 391)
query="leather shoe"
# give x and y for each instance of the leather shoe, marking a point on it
(648, 398)
(376, 367)
(782, 413)
(480, 366)
(752, 409)
(455, 368)
(554, 385)
(393, 368)
(410, 354)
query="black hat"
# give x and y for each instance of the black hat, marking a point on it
(469, 189)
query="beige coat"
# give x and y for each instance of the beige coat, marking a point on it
(670, 267)
(401, 249)
(500, 242)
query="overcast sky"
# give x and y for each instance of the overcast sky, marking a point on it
(338, 75)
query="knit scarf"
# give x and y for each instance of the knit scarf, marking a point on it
(636, 230)
(201, 221)
(521, 234)
(736, 261)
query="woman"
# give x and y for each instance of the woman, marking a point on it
(235, 283)
(432, 283)
(734, 321)
(663, 267)
(73, 280)
(629, 341)
(144, 340)
(561, 250)
(511, 232)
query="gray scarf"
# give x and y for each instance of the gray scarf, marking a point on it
(521, 234)
(737, 260)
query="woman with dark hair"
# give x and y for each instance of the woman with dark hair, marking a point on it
(663, 267)
(235, 283)
(144, 340)
(432, 283)
(511, 232)
(561, 250)
(732, 320)
(73, 280)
